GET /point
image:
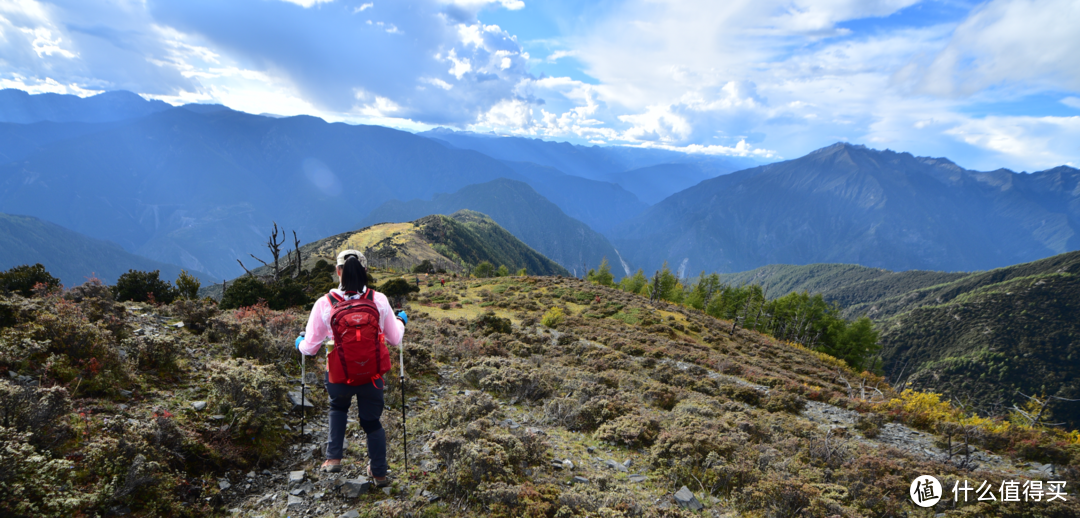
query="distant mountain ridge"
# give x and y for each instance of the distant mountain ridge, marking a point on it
(202, 187)
(517, 208)
(601, 205)
(21, 107)
(68, 255)
(602, 163)
(851, 204)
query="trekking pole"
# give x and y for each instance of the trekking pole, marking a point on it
(404, 431)
(303, 392)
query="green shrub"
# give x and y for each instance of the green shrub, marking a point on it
(141, 286)
(39, 412)
(870, 424)
(784, 402)
(34, 484)
(187, 286)
(22, 279)
(195, 314)
(154, 352)
(252, 398)
(632, 431)
(510, 378)
(484, 269)
(397, 290)
(462, 409)
(96, 299)
(553, 317)
(249, 291)
(425, 266)
(488, 323)
(68, 347)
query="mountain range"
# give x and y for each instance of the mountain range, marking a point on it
(607, 164)
(21, 107)
(200, 186)
(850, 204)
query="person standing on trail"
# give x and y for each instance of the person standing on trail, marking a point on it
(359, 319)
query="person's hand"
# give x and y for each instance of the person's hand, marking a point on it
(403, 317)
(299, 339)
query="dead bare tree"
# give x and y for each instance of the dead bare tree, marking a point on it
(274, 244)
(1035, 418)
(296, 245)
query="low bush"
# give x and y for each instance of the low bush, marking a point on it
(483, 455)
(779, 401)
(461, 409)
(154, 352)
(252, 398)
(553, 317)
(35, 484)
(511, 379)
(38, 412)
(632, 431)
(65, 345)
(488, 323)
(195, 314)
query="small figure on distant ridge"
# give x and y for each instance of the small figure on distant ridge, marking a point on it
(361, 321)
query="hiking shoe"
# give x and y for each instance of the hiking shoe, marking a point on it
(379, 482)
(327, 467)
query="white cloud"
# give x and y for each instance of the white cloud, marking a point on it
(1011, 43)
(1037, 141)
(766, 78)
(474, 5)
(307, 3)
(559, 54)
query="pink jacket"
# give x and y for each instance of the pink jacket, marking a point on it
(318, 324)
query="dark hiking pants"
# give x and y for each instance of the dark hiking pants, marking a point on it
(369, 406)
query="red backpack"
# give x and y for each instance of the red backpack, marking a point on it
(359, 355)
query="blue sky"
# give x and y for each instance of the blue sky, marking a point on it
(986, 84)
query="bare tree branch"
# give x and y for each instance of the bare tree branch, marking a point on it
(245, 268)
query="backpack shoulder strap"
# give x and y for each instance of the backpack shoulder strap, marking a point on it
(334, 299)
(369, 294)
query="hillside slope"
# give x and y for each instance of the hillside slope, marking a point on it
(68, 255)
(516, 207)
(850, 204)
(446, 241)
(982, 337)
(621, 408)
(990, 336)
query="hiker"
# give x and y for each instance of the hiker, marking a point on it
(357, 318)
